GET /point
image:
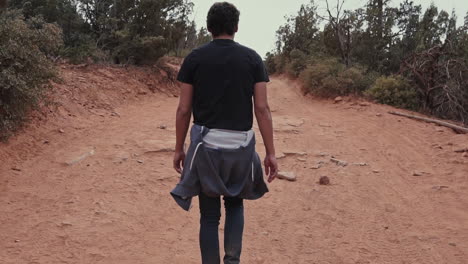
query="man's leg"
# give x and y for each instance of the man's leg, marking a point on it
(209, 221)
(233, 229)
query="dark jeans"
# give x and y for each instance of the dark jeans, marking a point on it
(210, 213)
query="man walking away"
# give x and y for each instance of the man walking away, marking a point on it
(219, 81)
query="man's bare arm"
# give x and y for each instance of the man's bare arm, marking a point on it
(183, 115)
(265, 123)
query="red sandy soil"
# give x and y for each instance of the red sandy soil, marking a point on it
(90, 182)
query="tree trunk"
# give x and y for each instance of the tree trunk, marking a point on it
(3, 3)
(456, 128)
(380, 14)
(342, 44)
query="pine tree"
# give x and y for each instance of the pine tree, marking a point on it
(300, 32)
(203, 36)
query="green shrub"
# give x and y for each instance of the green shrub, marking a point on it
(182, 53)
(25, 66)
(329, 78)
(280, 62)
(83, 51)
(297, 63)
(361, 79)
(394, 90)
(137, 50)
(270, 63)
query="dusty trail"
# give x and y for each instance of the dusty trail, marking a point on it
(114, 207)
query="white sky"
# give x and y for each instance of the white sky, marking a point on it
(260, 19)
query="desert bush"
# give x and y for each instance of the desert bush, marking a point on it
(280, 62)
(127, 32)
(297, 63)
(61, 12)
(180, 53)
(26, 49)
(329, 77)
(394, 90)
(84, 50)
(362, 79)
(137, 50)
(270, 63)
(440, 76)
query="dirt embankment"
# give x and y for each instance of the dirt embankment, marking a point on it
(83, 93)
(91, 184)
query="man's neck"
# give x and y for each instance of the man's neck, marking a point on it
(224, 37)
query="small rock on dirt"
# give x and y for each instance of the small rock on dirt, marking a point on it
(16, 169)
(324, 180)
(65, 223)
(290, 176)
(437, 146)
(390, 208)
(301, 159)
(80, 158)
(418, 173)
(157, 145)
(321, 154)
(375, 171)
(318, 165)
(338, 162)
(295, 123)
(286, 130)
(293, 153)
(61, 131)
(463, 150)
(162, 127)
(465, 155)
(379, 114)
(338, 99)
(140, 161)
(362, 164)
(120, 157)
(452, 244)
(364, 104)
(281, 156)
(439, 187)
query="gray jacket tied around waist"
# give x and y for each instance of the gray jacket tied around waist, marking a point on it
(219, 172)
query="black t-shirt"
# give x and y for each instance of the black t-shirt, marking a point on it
(223, 74)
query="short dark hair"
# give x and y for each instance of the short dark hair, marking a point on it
(223, 18)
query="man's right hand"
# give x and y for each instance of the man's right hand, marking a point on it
(271, 167)
(178, 162)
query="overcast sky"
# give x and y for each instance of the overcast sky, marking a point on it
(260, 19)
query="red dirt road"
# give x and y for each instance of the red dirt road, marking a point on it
(111, 202)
